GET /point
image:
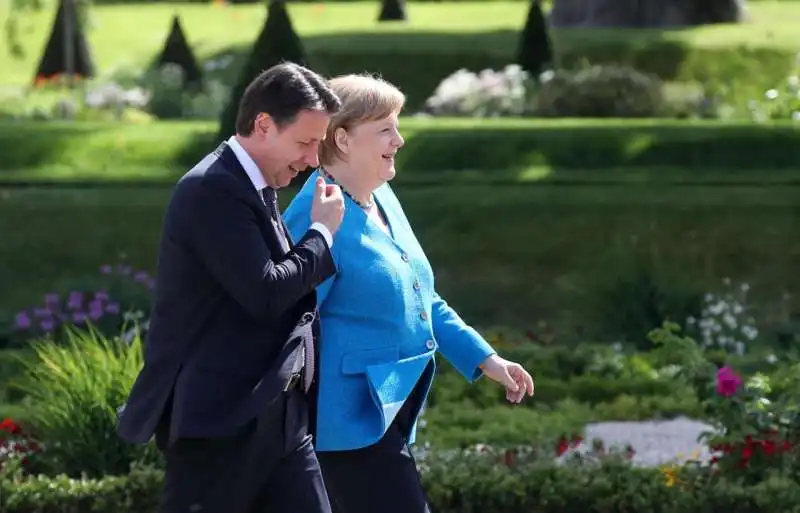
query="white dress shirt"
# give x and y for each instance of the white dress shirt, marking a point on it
(259, 183)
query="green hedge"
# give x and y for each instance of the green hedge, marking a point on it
(418, 72)
(593, 262)
(464, 485)
(436, 151)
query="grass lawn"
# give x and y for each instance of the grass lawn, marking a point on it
(129, 36)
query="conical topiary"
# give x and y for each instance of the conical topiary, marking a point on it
(177, 51)
(67, 51)
(393, 10)
(278, 42)
(534, 52)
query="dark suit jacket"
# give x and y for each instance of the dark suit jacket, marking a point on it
(230, 309)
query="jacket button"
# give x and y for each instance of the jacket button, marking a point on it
(424, 316)
(430, 344)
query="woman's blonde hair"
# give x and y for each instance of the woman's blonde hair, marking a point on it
(364, 98)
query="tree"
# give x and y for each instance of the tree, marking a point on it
(393, 10)
(177, 51)
(277, 42)
(534, 52)
(66, 53)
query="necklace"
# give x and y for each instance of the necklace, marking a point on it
(365, 206)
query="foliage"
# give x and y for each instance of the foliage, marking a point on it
(468, 481)
(535, 50)
(599, 92)
(17, 447)
(393, 10)
(752, 436)
(277, 42)
(123, 297)
(474, 39)
(726, 321)
(436, 151)
(581, 237)
(781, 101)
(74, 390)
(487, 94)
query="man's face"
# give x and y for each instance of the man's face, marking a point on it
(292, 148)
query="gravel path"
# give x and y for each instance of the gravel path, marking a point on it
(655, 442)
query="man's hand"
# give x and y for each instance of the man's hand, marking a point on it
(328, 205)
(511, 375)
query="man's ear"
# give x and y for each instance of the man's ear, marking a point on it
(263, 124)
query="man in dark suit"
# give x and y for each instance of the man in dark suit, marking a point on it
(229, 358)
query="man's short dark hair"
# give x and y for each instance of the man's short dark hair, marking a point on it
(283, 91)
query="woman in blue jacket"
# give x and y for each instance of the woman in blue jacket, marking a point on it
(381, 319)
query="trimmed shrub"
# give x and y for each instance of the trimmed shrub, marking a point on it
(178, 52)
(436, 151)
(393, 10)
(459, 483)
(278, 42)
(535, 52)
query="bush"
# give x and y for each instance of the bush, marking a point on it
(581, 241)
(436, 150)
(417, 69)
(535, 51)
(600, 92)
(474, 481)
(277, 42)
(74, 390)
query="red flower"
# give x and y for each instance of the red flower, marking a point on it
(768, 446)
(728, 382)
(10, 427)
(563, 446)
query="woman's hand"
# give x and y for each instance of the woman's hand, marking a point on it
(511, 375)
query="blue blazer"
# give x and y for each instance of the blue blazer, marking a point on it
(381, 323)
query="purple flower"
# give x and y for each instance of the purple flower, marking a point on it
(95, 313)
(47, 325)
(101, 295)
(75, 300)
(42, 312)
(112, 308)
(141, 277)
(22, 321)
(51, 298)
(106, 269)
(78, 317)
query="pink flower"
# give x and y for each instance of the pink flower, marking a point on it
(728, 382)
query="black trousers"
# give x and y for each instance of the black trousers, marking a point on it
(269, 466)
(380, 478)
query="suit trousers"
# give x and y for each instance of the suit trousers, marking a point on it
(268, 466)
(380, 478)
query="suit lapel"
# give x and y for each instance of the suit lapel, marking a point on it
(273, 237)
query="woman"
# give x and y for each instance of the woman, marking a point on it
(381, 318)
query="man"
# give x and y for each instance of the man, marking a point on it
(230, 354)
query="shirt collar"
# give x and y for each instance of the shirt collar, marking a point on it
(249, 165)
